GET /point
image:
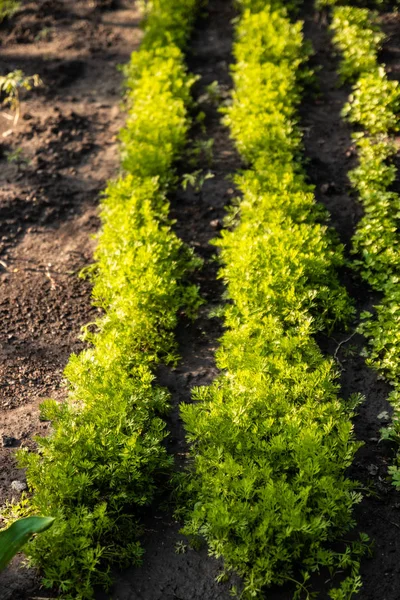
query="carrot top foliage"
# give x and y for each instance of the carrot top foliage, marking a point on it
(8, 7)
(270, 439)
(104, 458)
(373, 108)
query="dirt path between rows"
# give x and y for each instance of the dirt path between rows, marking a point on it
(172, 570)
(53, 167)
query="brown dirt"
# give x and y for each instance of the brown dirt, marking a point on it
(53, 166)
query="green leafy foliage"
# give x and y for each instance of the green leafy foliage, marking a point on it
(375, 242)
(105, 456)
(169, 22)
(15, 537)
(374, 103)
(8, 8)
(359, 37)
(159, 89)
(270, 440)
(374, 106)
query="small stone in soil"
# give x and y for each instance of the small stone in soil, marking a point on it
(384, 417)
(216, 224)
(373, 469)
(328, 188)
(18, 486)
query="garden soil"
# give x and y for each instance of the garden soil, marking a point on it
(53, 167)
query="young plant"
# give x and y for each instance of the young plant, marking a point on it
(196, 180)
(11, 86)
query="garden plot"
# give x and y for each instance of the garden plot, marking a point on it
(259, 463)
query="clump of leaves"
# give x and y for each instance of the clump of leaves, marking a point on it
(374, 103)
(156, 78)
(359, 37)
(196, 180)
(213, 94)
(169, 24)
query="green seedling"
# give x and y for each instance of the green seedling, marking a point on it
(44, 34)
(16, 156)
(201, 150)
(213, 94)
(181, 547)
(196, 180)
(11, 86)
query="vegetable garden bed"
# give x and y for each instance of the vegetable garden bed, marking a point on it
(260, 465)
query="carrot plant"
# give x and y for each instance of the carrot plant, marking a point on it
(105, 457)
(8, 8)
(360, 37)
(270, 439)
(373, 108)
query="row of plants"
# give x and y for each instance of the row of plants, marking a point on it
(270, 439)
(100, 467)
(373, 109)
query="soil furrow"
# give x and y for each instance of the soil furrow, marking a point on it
(331, 154)
(171, 569)
(54, 165)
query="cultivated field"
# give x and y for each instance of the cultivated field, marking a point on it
(200, 318)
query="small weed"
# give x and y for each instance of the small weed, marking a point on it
(16, 156)
(44, 34)
(181, 547)
(217, 312)
(350, 351)
(11, 86)
(213, 94)
(201, 150)
(196, 180)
